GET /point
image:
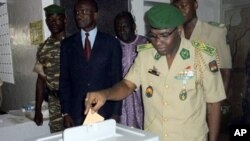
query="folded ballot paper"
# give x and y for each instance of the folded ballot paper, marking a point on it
(92, 117)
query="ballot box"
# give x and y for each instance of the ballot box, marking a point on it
(106, 130)
(20, 128)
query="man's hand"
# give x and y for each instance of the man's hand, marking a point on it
(38, 119)
(95, 100)
(68, 122)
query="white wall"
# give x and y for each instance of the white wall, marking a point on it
(2, 1)
(21, 13)
(138, 8)
(209, 10)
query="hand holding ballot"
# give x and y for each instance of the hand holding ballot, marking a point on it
(92, 117)
(94, 101)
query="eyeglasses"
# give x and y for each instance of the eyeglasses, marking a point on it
(160, 36)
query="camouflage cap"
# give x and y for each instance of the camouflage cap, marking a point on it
(54, 9)
(164, 16)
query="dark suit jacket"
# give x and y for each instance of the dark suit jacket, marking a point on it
(77, 77)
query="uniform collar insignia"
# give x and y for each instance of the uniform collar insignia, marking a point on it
(185, 54)
(157, 56)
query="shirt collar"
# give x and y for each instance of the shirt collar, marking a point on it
(92, 36)
(92, 33)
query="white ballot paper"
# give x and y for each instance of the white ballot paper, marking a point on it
(92, 118)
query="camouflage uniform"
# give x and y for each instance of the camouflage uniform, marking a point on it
(48, 56)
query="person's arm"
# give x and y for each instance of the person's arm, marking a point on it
(40, 86)
(226, 74)
(213, 118)
(225, 57)
(95, 100)
(64, 87)
(116, 73)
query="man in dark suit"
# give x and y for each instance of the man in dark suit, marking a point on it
(84, 70)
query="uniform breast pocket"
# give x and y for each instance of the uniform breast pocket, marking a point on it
(186, 89)
(190, 87)
(152, 79)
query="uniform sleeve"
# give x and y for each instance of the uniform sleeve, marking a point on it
(223, 49)
(212, 83)
(39, 50)
(135, 71)
(38, 68)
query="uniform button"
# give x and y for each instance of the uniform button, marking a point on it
(88, 84)
(165, 103)
(166, 135)
(166, 86)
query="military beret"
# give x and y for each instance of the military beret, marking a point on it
(164, 16)
(54, 9)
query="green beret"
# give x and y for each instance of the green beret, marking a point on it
(164, 16)
(54, 9)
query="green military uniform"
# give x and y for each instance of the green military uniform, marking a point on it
(167, 114)
(215, 35)
(48, 55)
(175, 98)
(48, 65)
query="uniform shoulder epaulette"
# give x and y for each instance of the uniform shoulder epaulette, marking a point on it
(206, 48)
(144, 47)
(217, 24)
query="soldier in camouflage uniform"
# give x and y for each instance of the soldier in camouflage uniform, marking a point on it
(48, 68)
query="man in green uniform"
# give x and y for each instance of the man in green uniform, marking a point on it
(48, 68)
(209, 32)
(180, 81)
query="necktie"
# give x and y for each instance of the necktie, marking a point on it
(87, 47)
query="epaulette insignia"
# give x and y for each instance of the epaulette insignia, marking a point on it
(216, 24)
(206, 48)
(144, 47)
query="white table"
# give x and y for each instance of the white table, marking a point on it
(20, 128)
